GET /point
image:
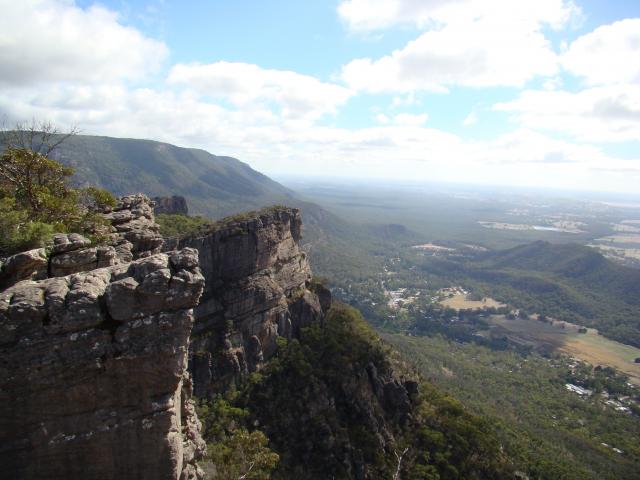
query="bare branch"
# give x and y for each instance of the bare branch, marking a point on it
(246, 474)
(396, 476)
(41, 137)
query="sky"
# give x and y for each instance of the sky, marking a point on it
(542, 93)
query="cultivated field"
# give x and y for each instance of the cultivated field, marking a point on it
(560, 227)
(462, 302)
(589, 347)
(621, 239)
(432, 247)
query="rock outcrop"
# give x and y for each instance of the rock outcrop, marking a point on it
(257, 289)
(95, 341)
(136, 232)
(133, 234)
(93, 370)
(172, 205)
(29, 265)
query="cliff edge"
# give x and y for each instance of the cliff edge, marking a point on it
(258, 289)
(93, 376)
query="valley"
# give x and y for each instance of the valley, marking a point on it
(339, 240)
(557, 432)
(507, 319)
(491, 295)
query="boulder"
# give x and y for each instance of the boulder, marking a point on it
(29, 265)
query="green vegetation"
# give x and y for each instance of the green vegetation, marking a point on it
(550, 432)
(177, 225)
(567, 282)
(449, 214)
(36, 200)
(233, 452)
(315, 411)
(214, 186)
(305, 401)
(600, 379)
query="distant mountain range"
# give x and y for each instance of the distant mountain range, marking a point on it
(214, 186)
(571, 281)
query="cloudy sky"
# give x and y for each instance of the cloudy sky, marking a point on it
(516, 92)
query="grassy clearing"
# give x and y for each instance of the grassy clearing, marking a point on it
(462, 302)
(589, 347)
(626, 239)
(432, 247)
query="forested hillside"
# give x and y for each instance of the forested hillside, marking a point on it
(568, 282)
(214, 186)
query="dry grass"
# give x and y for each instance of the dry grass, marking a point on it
(589, 347)
(621, 239)
(462, 302)
(607, 250)
(433, 247)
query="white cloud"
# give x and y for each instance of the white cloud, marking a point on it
(377, 14)
(610, 54)
(54, 40)
(243, 84)
(599, 114)
(270, 117)
(475, 43)
(409, 119)
(475, 54)
(382, 118)
(275, 144)
(470, 119)
(526, 146)
(365, 15)
(406, 100)
(552, 84)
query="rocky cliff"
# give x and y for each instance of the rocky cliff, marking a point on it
(257, 289)
(99, 346)
(93, 369)
(95, 340)
(171, 205)
(132, 233)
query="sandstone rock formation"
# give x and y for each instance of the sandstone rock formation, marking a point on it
(134, 234)
(93, 377)
(172, 205)
(134, 224)
(257, 289)
(95, 340)
(30, 265)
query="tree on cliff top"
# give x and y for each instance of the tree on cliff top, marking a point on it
(36, 198)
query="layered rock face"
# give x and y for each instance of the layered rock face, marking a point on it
(133, 234)
(93, 377)
(95, 341)
(172, 205)
(257, 289)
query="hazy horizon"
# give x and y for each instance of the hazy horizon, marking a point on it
(526, 94)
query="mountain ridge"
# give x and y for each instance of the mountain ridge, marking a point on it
(214, 186)
(566, 281)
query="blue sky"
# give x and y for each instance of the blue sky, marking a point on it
(515, 92)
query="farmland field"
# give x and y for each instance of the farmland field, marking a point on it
(590, 347)
(461, 302)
